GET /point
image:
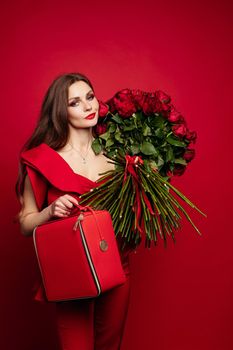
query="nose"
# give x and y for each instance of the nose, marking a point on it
(87, 106)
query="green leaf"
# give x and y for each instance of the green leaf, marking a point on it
(117, 119)
(157, 121)
(160, 162)
(169, 154)
(129, 121)
(111, 154)
(159, 133)
(112, 128)
(118, 137)
(147, 165)
(148, 149)
(121, 151)
(131, 141)
(180, 161)
(146, 130)
(135, 148)
(109, 143)
(129, 128)
(139, 115)
(139, 118)
(175, 142)
(105, 136)
(96, 146)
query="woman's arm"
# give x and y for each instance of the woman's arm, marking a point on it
(30, 216)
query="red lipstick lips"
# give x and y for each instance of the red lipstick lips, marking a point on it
(90, 116)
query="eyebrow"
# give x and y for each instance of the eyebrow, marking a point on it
(77, 97)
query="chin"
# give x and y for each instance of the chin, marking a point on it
(88, 124)
(91, 122)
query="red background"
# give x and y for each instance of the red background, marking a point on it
(181, 296)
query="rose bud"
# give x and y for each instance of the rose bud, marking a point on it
(166, 107)
(179, 169)
(151, 104)
(100, 129)
(179, 130)
(162, 97)
(174, 116)
(122, 102)
(103, 109)
(138, 97)
(191, 136)
(189, 154)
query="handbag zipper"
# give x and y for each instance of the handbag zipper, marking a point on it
(89, 258)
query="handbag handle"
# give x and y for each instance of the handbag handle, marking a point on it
(103, 242)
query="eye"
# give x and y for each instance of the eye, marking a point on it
(90, 97)
(73, 104)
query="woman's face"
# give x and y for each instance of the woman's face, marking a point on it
(82, 103)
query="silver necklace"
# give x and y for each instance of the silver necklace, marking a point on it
(84, 157)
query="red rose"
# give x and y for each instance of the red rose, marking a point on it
(174, 116)
(103, 109)
(122, 102)
(139, 97)
(162, 97)
(151, 104)
(147, 101)
(179, 169)
(100, 129)
(166, 107)
(189, 154)
(179, 130)
(164, 100)
(191, 136)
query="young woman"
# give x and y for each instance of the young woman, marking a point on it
(57, 164)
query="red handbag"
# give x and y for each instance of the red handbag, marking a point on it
(78, 256)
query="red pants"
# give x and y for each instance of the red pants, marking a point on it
(94, 324)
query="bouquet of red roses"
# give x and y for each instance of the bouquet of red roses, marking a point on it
(149, 142)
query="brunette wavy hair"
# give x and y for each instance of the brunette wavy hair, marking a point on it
(52, 126)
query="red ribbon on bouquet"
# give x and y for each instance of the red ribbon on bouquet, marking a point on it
(132, 162)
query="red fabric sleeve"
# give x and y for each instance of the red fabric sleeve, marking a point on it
(39, 186)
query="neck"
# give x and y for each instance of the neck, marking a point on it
(80, 138)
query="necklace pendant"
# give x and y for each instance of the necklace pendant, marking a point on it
(84, 160)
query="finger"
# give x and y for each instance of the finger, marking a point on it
(71, 199)
(61, 212)
(66, 203)
(61, 216)
(60, 205)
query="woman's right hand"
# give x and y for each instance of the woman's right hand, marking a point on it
(62, 206)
